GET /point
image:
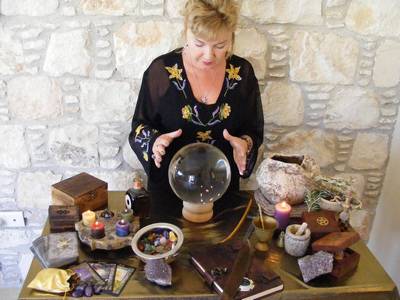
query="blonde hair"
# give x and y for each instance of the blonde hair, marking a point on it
(207, 18)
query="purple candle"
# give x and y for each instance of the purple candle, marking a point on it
(282, 214)
(122, 228)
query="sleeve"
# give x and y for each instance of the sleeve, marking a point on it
(144, 132)
(253, 119)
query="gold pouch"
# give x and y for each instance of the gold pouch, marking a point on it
(52, 280)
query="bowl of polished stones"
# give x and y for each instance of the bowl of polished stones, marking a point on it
(157, 241)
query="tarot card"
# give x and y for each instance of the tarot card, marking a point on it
(122, 275)
(87, 274)
(106, 272)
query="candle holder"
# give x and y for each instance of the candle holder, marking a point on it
(111, 239)
(264, 231)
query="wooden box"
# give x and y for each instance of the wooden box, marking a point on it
(83, 190)
(63, 217)
(321, 223)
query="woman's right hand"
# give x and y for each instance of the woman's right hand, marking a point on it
(161, 143)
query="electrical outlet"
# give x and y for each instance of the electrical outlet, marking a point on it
(12, 218)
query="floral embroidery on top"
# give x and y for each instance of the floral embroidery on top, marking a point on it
(175, 73)
(233, 75)
(204, 136)
(192, 115)
(143, 136)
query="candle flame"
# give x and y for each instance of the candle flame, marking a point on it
(96, 223)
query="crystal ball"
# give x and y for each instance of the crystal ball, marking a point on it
(199, 173)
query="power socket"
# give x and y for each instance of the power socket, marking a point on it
(12, 218)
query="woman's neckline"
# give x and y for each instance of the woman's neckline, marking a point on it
(192, 97)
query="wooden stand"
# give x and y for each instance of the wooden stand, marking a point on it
(197, 213)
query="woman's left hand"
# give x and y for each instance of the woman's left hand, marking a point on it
(239, 147)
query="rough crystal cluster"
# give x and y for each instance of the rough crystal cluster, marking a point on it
(312, 266)
(159, 272)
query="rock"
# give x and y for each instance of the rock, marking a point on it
(13, 149)
(387, 64)
(315, 265)
(159, 272)
(28, 7)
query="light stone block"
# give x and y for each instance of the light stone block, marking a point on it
(323, 58)
(34, 189)
(371, 17)
(256, 53)
(68, 53)
(109, 7)
(75, 145)
(13, 149)
(34, 98)
(28, 7)
(105, 101)
(370, 151)
(11, 53)
(304, 12)
(11, 238)
(173, 8)
(315, 143)
(137, 44)
(117, 180)
(283, 104)
(387, 64)
(352, 108)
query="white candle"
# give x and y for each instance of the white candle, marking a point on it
(88, 217)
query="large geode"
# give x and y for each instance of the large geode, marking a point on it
(286, 177)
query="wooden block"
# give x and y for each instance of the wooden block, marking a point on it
(321, 223)
(335, 241)
(345, 266)
(83, 190)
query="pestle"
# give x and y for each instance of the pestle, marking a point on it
(301, 229)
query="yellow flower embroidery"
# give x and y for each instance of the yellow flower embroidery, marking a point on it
(138, 129)
(204, 136)
(174, 72)
(233, 73)
(187, 112)
(145, 156)
(225, 111)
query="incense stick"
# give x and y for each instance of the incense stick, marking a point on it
(261, 216)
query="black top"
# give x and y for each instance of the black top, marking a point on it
(166, 103)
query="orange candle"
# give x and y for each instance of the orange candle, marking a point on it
(282, 213)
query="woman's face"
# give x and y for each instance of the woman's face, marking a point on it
(207, 54)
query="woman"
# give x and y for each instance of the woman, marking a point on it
(199, 93)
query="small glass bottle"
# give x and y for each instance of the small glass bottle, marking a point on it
(137, 198)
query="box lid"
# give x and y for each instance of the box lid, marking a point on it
(64, 212)
(79, 185)
(336, 241)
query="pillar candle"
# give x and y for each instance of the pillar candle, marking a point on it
(122, 228)
(127, 215)
(282, 213)
(97, 230)
(88, 217)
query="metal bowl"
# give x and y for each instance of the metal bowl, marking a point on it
(169, 256)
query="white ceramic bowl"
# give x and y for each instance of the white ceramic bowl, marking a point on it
(169, 255)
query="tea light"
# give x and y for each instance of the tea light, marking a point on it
(282, 213)
(122, 228)
(127, 215)
(97, 230)
(88, 217)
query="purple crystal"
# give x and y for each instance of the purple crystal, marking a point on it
(312, 266)
(159, 272)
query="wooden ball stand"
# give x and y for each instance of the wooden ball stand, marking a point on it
(197, 212)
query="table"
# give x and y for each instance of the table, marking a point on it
(369, 281)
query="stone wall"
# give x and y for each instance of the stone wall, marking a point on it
(70, 70)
